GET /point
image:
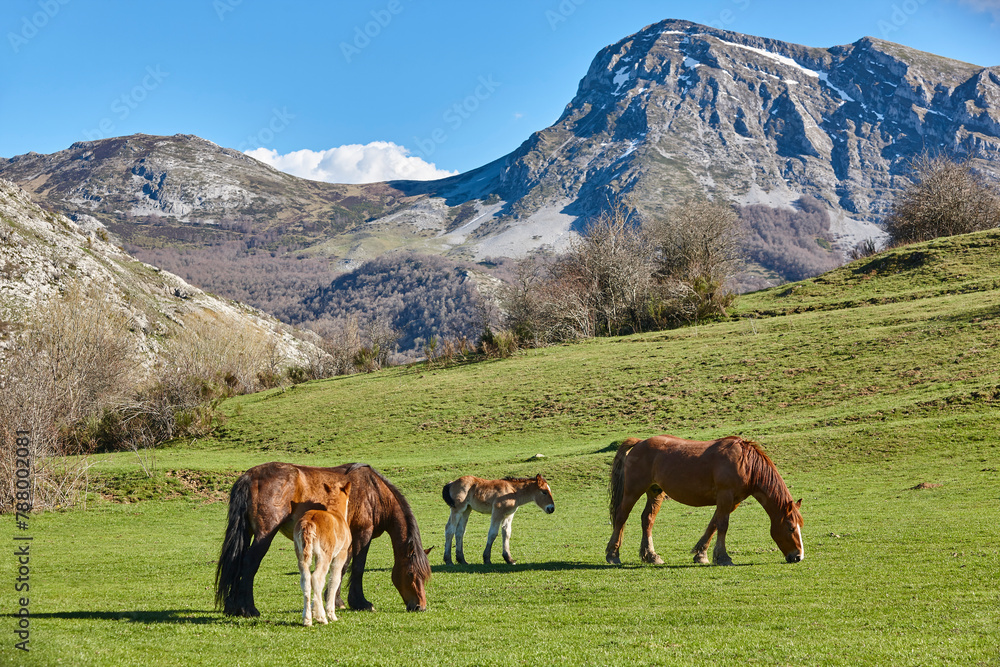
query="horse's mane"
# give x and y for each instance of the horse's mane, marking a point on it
(511, 478)
(763, 474)
(414, 547)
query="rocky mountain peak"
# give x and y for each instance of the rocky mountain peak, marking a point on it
(673, 111)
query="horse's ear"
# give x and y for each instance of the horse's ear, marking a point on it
(799, 503)
(538, 478)
(347, 487)
(427, 551)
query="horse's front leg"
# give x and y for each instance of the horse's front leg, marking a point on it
(722, 511)
(505, 530)
(449, 533)
(496, 518)
(647, 552)
(356, 562)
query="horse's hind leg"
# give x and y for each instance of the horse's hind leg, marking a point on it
(654, 499)
(700, 549)
(244, 603)
(449, 533)
(318, 579)
(629, 499)
(463, 521)
(336, 576)
(305, 582)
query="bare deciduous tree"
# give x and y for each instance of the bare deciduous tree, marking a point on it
(698, 247)
(612, 266)
(946, 198)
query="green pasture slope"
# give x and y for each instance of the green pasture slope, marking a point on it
(874, 388)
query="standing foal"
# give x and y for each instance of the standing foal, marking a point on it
(325, 535)
(499, 498)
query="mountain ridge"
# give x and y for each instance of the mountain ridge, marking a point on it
(676, 110)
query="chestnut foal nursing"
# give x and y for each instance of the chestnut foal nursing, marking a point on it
(722, 472)
(325, 536)
(499, 498)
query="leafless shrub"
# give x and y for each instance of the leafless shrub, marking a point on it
(612, 267)
(340, 339)
(865, 248)
(544, 303)
(946, 198)
(214, 348)
(621, 278)
(501, 344)
(697, 249)
(698, 240)
(75, 357)
(382, 337)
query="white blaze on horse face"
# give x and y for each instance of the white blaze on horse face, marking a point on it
(551, 506)
(802, 546)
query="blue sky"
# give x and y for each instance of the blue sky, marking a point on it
(366, 90)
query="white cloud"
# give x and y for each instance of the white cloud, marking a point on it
(353, 163)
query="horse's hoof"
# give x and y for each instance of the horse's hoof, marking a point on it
(702, 560)
(652, 559)
(307, 624)
(725, 562)
(613, 560)
(244, 613)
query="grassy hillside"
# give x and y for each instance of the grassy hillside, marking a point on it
(874, 388)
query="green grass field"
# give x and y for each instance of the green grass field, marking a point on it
(874, 388)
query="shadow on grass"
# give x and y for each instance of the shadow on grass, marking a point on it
(177, 616)
(551, 566)
(194, 616)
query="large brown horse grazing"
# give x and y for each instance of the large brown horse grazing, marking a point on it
(271, 497)
(722, 472)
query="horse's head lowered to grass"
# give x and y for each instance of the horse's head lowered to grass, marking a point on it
(786, 531)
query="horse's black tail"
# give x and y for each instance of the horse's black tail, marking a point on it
(616, 486)
(446, 494)
(229, 571)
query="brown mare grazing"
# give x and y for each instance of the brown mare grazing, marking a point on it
(325, 536)
(722, 472)
(271, 497)
(499, 498)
